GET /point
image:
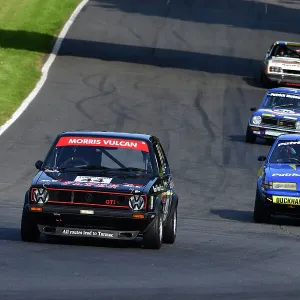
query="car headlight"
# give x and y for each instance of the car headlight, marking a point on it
(256, 120)
(40, 196)
(297, 125)
(280, 185)
(136, 202)
(275, 69)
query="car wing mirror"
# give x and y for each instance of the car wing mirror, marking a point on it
(253, 109)
(261, 158)
(167, 170)
(38, 164)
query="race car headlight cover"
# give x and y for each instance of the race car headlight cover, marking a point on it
(136, 202)
(297, 125)
(275, 69)
(40, 196)
(270, 185)
(256, 120)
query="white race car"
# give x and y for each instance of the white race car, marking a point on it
(281, 65)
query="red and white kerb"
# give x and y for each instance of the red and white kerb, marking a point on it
(106, 142)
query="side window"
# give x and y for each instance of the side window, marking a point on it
(274, 49)
(270, 49)
(161, 158)
(165, 160)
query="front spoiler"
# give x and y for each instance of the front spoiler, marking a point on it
(88, 233)
(279, 209)
(98, 222)
(284, 78)
(264, 131)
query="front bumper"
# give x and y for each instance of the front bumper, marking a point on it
(87, 222)
(270, 132)
(284, 78)
(277, 204)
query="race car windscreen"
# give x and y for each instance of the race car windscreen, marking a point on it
(292, 51)
(100, 154)
(286, 152)
(281, 101)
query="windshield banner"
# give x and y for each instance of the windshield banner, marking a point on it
(102, 142)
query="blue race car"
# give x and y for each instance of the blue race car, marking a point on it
(278, 113)
(278, 182)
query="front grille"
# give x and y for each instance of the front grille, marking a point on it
(295, 72)
(290, 124)
(88, 198)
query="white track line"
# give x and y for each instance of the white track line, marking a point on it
(45, 69)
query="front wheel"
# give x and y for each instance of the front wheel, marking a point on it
(29, 228)
(170, 229)
(154, 235)
(250, 137)
(260, 214)
(265, 81)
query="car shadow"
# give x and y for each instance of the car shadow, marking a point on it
(13, 234)
(240, 138)
(89, 242)
(253, 82)
(10, 234)
(247, 217)
(234, 215)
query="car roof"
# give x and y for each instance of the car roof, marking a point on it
(289, 137)
(286, 90)
(287, 43)
(111, 134)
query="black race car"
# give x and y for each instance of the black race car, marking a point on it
(102, 185)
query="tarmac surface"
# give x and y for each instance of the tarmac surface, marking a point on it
(186, 71)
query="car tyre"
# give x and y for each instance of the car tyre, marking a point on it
(265, 81)
(170, 230)
(250, 137)
(154, 236)
(29, 228)
(260, 215)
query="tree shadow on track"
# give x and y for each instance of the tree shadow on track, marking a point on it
(234, 13)
(165, 58)
(247, 217)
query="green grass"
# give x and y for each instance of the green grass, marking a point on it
(27, 32)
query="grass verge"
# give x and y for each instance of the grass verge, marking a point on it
(27, 32)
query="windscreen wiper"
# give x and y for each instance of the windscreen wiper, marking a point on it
(131, 169)
(93, 167)
(72, 169)
(283, 105)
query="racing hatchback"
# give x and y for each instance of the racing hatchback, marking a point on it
(107, 185)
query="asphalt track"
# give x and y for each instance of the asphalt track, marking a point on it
(185, 71)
